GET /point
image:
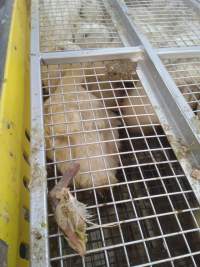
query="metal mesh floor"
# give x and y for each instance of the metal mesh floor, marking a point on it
(166, 23)
(186, 74)
(150, 216)
(74, 25)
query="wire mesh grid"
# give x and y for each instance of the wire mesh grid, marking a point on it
(73, 25)
(148, 214)
(186, 74)
(166, 23)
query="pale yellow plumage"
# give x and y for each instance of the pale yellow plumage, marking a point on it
(79, 130)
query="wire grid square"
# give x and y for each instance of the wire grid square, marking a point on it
(74, 25)
(186, 74)
(150, 216)
(166, 23)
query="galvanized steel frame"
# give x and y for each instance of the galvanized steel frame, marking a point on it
(174, 113)
(38, 185)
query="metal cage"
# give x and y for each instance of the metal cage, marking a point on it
(151, 215)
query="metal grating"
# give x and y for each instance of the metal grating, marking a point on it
(166, 23)
(150, 216)
(186, 74)
(74, 25)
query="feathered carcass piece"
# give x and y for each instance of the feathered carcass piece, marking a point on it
(70, 214)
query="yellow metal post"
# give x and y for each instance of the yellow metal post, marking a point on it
(14, 140)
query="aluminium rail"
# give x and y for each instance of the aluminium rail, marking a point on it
(174, 113)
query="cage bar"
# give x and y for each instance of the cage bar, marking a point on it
(151, 213)
(113, 124)
(185, 73)
(166, 23)
(74, 25)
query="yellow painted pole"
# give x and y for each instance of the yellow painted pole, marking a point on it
(14, 141)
